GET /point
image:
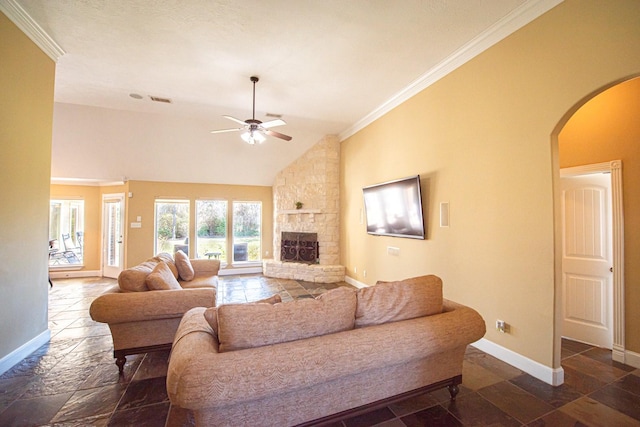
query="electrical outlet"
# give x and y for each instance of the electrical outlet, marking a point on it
(355, 270)
(502, 326)
(393, 251)
(364, 273)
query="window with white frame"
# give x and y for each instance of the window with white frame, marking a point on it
(247, 231)
(66, 232)
(211, 229)
(171, 226)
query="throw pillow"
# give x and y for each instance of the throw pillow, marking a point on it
(255, 325)
(211, 313)
(185, 269)
(161, 278)
(394, 301)
(163, 256)
(133, 279)
(211, 316)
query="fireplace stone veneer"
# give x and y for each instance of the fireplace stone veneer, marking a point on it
(313, 179)
(315, 273)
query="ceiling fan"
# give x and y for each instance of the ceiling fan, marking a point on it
(255, 130)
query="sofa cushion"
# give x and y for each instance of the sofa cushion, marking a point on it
(253, 325)
(133, 279)
(161, 278)
(394, 301)
(163, 256)
(185, 269)
(200, 282)
(211, 313)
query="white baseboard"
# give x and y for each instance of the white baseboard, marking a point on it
(555, 377)
(354, 282)
(23, 351)
(67, 274)
(632, 359)
(240, 270)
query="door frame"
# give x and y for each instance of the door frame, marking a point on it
(613, 167)
(105, 197)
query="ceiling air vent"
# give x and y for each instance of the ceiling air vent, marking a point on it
(159, 99)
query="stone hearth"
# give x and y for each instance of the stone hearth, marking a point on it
(315, 273)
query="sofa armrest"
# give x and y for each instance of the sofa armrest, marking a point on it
(205, 267)
(199, 376)
(121, 307)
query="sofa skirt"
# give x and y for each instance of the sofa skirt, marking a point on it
(317, 401)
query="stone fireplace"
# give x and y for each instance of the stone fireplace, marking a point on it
(313, 180)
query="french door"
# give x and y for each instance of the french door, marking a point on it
(112, 234)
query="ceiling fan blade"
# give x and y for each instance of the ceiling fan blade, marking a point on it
(273, 123)
(277, 134)
(226, 130)
(242, 122)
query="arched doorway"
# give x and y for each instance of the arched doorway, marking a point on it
(597, 131)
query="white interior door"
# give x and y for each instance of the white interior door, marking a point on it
(112, 234)
(587, 259)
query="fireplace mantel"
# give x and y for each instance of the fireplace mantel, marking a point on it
(299, 213)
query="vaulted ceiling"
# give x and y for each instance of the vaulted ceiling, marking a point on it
(325, 66)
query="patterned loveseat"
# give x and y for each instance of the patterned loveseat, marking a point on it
(317, 360)
(143, 311)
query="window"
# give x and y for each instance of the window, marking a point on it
(211, 229)
(172, 226)
(66, 232)
(247, 220)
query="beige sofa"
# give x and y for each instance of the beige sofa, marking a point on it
(317, 361)
(144, 310)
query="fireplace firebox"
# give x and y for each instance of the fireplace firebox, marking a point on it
(299, 247)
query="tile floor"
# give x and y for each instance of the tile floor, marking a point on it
(73, 381)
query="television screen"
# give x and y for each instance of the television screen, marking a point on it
(395, 208)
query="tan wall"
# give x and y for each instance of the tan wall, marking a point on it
(26, 114)
(92, 219)
(140, 241)
(608, 128)
(481, 140)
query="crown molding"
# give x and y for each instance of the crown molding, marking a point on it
(506, 26)
(85, 182)
(30, 27)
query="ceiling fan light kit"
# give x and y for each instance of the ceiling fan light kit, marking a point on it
(255, 130)
(253, 137)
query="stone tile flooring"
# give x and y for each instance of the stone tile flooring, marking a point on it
(73, 380)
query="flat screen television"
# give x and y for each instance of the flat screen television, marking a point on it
(394, 208)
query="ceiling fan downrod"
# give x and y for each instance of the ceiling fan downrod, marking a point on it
(255, 80)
